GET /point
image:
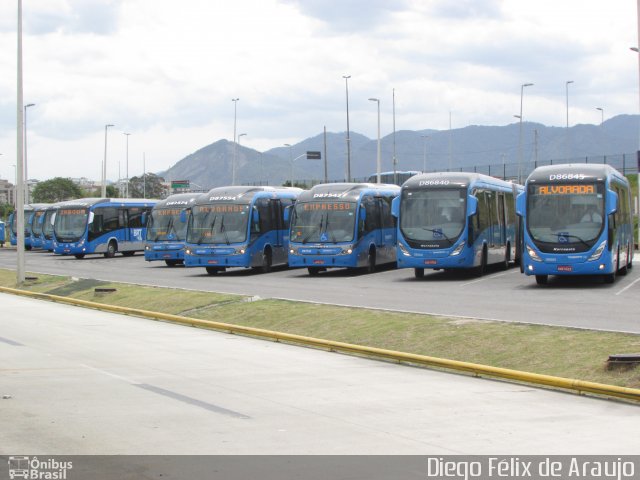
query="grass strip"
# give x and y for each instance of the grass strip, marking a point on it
(557, 351)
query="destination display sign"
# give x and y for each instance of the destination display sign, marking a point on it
(168, 212)
(560, 189)
(72, 211)
(222, 208)
(343, 206)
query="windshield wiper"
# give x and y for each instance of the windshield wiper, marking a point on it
(566, 235)
(222, 229)
(326, 229)
(439, 232)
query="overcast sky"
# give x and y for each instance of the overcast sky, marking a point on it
(166, 72)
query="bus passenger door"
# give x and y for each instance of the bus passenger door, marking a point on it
(123, 226)
(275, 212)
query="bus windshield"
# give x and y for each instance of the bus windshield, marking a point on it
(571, 215)
(36, 226)
(165, 225)
(218, 224)
(433, 215)
(70, 224)
(47, 227)
(323, 221)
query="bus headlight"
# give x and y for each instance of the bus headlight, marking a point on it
(293, 251)
(532, 253)
(403, 249)
(240, 251)
(458, 249)
(598, 253)
(187, 251)
(346, 251)
(147, 247)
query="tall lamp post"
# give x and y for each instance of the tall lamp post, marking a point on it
(346, 85)
(26, 175)
(104, 163)
(20, 264)
(567, 98)
(235, 140)
(126, 187)
(240, 136)
(290, 161)
(522, 87)
(377, 100)
(601, 115)
(424, 153)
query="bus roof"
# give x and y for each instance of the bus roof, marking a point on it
(183, 200)
(347, 191)
(245, 194)
(572, 172)
(456, 179)
(91, 202)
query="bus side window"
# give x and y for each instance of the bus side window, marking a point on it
(266, 223)
(372, 221)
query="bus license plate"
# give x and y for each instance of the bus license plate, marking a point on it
(213, 262)
(318, 262)
(430, 262)
(565, 268)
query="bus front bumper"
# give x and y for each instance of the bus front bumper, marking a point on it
(153, 252)
(217, 257)
(435, 259)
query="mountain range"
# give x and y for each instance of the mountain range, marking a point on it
(424, 150)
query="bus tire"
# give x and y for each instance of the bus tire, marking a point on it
(507, 258)
(313, 271)
(79, 256)
(172, 263)
(267, 260)
(609, 278)
(480, 269)
(371, 261)
(418, 272)
(542, 279)
(214, 270)
(129, 253)
(111, 250)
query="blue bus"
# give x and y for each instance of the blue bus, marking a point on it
(394, 178)
(577, 221)
(36, 224)
(47, 227)
(456, 220)
(166, 234)
(13, 235)
(343, 225)
(101, 225)
(239, 226)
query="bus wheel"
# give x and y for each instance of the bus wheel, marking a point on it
(313, 271)
(213, 270)
(172, 263)
(542, 279)
(266, 261)
(129, 253)
(371, 261)
(111, 250)
(418, 272)
(609, 278)
(480, 269)
(79, 256)
(507, 258)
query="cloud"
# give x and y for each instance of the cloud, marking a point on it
(99, 17)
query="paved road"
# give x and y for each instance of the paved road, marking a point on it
(88, 382)
(508, 296)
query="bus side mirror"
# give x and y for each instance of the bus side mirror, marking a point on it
(395, 207)
(612, 202)
(287, 213)
(41, 220)
(91, 217)
(520, 204)
(144, 218)
(183, 216)
(52, 220)
(363, 214)
(256, 216)
(472, 206)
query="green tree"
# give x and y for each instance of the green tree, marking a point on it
(5, 210)
(56, 190)
(149, 185)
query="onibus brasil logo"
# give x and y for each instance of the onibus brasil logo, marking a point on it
(32, 468)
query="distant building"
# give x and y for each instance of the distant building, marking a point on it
(7, 192)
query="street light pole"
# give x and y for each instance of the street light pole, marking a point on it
(346, 84)
(377, 100)
(520, 132)
(104, 163)
(290, 161)
(567, 97)
(395, 161)
(235, 142)
(126, 189)
(601, 115)
(20, 276)
(239, 136)
(424, 153)
(26, 175)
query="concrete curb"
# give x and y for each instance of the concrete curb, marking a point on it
(578, 386)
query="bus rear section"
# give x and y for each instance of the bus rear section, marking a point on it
(239, 226)
(456, 221)
(577, 222)
(36, 225)
(343, 225)
(103, 226)
(13, 232)
(166, 231)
